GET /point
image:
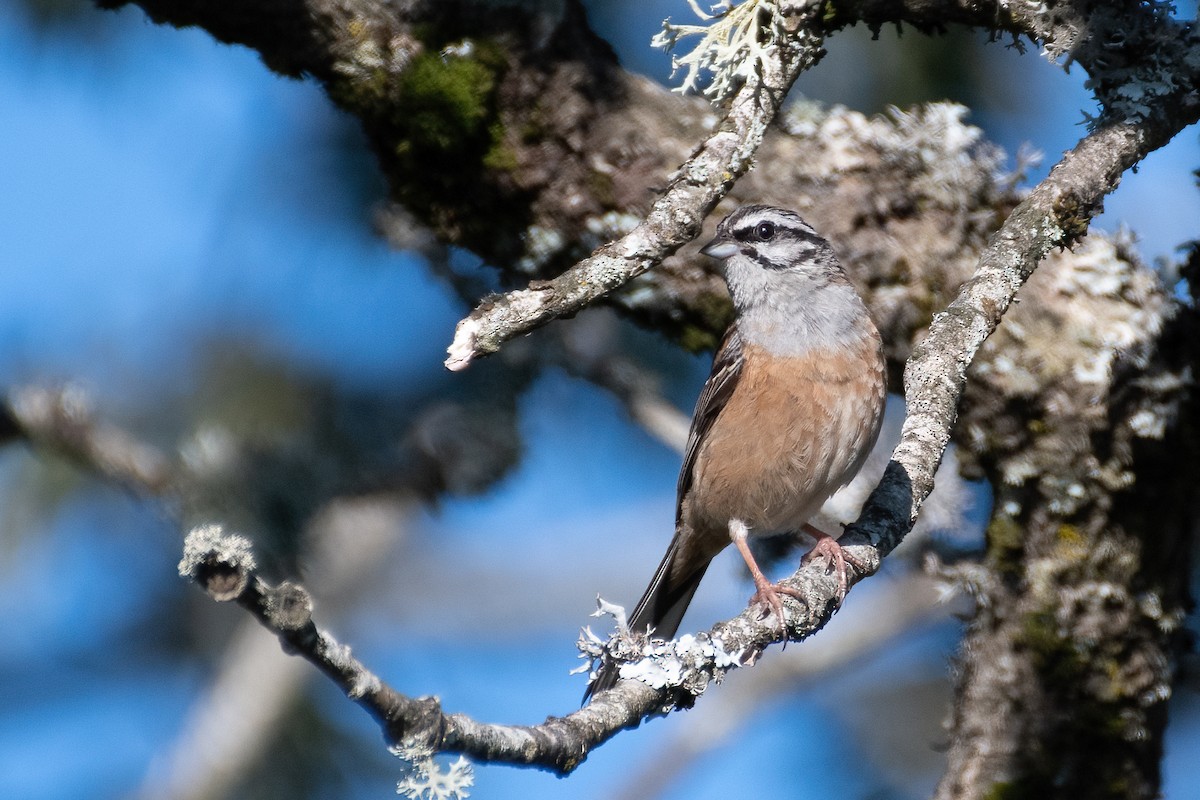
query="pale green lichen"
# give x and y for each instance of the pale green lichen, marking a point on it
(733, 47)
(686, 663)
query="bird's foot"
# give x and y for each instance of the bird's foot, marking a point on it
(835, 558)
(767, 594)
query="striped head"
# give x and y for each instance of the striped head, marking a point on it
(787, 286)
(774, 238)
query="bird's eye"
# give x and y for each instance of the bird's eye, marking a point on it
(765, 231)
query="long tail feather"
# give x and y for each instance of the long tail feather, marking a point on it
(661, 609)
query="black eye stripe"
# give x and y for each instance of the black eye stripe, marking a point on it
(748, 233)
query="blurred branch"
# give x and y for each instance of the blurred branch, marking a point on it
(587, 349)
(633, 387)
(231, 723)
(61, 420)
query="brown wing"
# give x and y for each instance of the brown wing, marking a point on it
(727, 367)
(666, 599)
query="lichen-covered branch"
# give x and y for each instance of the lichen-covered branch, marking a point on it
(674, 219)
(224, 566)
(1075, 410)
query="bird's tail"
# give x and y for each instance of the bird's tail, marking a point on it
(661, 608)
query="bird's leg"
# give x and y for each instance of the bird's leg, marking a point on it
(767, 593)
(835, 557)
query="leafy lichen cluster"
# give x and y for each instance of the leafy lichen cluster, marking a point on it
(734, 45)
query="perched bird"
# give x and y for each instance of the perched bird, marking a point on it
(789, 413)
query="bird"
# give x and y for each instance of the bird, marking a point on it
(788, 414)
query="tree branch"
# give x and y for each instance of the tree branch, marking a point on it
(62, 420)
(224, 566)
(674, 219)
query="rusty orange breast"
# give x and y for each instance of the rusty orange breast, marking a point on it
(793, 432)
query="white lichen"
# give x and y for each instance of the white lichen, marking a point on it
(426, 780)
(541, 245)
(462, 350)
(684, 663)
(945, 158)
(605, 608)
(210, 543)
(734, 46)
(687, 663)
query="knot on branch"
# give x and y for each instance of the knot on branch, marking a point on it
(288, 606)
(222, 564)
(418, 727)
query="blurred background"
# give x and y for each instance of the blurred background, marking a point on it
(188, 251)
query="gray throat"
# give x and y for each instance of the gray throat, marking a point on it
(792, 312)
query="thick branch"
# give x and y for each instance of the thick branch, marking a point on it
(1055, 214)
(1073, 412)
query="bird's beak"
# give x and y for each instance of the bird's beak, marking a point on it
(720, 247)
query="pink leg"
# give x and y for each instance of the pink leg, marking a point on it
(767, 593)
(835, 557)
